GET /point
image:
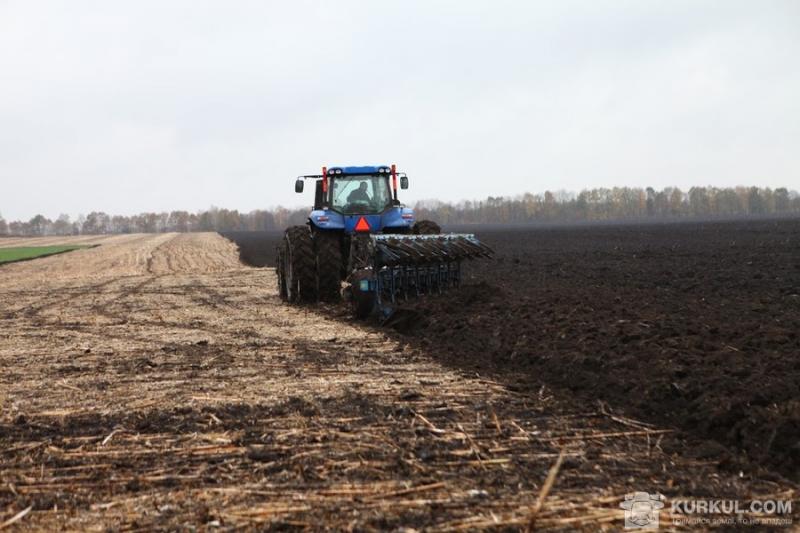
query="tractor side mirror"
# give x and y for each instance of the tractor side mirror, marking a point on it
(298, 186)
(404, 182)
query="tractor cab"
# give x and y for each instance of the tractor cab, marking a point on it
(359, 194)
(359, 199)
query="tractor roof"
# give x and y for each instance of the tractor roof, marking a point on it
(360, 170)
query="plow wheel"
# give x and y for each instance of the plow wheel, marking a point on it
(426, 227)
(328, 265)
(298, 265)
(362, 303)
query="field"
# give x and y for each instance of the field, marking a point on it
(10, 255)
(696, 325)
(692, 325)
(157, 382)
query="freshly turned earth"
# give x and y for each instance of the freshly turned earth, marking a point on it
(692, 325)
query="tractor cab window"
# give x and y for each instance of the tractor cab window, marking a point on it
(360, 194)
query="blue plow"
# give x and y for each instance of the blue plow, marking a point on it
(387, 269)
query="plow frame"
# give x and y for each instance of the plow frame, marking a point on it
(398, 267)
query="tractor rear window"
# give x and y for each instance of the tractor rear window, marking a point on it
(360, 194)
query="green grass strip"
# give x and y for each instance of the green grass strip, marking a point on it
(23, 253)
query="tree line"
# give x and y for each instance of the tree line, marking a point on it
(618, 203)
(99, 223)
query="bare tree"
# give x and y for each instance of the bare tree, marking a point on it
(96, 223)
(39, 225)
(62, 225)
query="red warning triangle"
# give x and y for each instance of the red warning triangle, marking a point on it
(362, 224)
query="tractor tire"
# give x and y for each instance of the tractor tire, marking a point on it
(299, 265)
(426, 227)
(328, 249)
(280, 271)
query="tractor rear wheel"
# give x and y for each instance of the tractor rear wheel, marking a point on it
(299, 265)
(426, 227)
(280, 271)
(328, 265)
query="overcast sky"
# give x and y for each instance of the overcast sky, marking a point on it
(127, 106)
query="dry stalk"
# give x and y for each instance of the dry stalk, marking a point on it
(548, 484)
(16, 518)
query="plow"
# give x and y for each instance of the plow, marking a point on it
(362, 244)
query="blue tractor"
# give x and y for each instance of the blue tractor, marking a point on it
(359, 232)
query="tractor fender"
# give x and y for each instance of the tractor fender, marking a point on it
(398, 217)
(326, 219)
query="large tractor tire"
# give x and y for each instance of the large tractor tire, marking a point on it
(426, 227)
(328, 249)
(280, 271)
(299, 265)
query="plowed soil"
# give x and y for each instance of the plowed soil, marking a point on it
(696, 326)
(155, 382)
